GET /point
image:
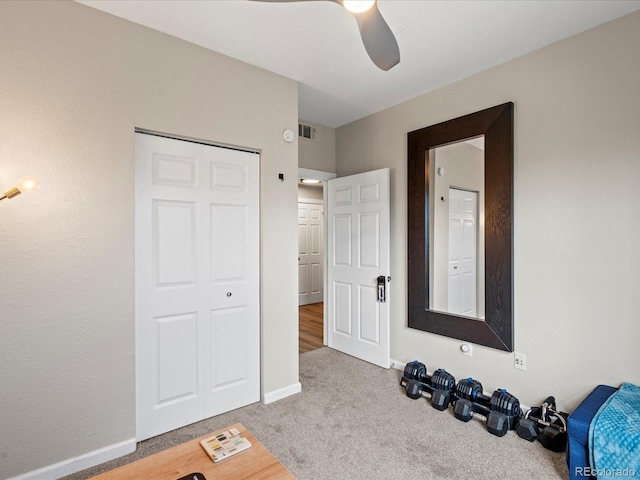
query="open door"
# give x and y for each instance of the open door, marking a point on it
(358, 266)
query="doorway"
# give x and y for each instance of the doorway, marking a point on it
(310, 251)
(311, 261)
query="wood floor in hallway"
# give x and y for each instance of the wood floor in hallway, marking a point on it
(311, 330)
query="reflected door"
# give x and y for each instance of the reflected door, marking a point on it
(463, 234)
(197, 282)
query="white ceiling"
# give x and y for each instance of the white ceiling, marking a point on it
(318, 44)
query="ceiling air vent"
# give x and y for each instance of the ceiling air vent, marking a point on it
(306, 131)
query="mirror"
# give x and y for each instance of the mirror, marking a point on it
(426, 312)
(456, 228)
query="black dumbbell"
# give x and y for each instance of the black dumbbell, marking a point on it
(413, 389)
(528, 429)
(554, 437)
(438, 387)
(415, 371)
(444, 385)
(502, 410)
(554, 434)
(463, 409)
(470, 399)
(529, 426)
(505, 412)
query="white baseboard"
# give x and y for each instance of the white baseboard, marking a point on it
(82, 462)
(96, 457)
(282, 393)
(397, 365)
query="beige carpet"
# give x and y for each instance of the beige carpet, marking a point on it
(353, 421)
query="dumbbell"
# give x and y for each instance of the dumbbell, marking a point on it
(554, 434)
(415, 371)
(439, 386)
(413, 378)
(470, 399)
(502, 410)
(554, 437)
(443, 384)
(505, 412)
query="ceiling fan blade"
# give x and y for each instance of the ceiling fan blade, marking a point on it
(378, 39)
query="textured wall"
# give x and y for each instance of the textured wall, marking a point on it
(318, 153)
(577, 194)
(74, 84)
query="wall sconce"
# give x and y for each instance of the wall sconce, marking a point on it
(27, 184)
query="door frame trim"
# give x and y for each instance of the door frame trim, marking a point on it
(196, 140)
(318, 174)
(313, 201)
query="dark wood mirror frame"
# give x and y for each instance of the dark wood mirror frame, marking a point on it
(496, 124)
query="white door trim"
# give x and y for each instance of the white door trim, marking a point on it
(317, 174)
(315, 201)
(156, 133)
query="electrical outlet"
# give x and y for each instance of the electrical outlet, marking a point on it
(520, 361)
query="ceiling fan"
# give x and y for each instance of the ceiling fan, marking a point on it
(378, 39)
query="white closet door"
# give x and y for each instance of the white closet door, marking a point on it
(197, 282)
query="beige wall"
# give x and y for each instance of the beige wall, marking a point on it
(74, 84)
(577, 197)
(305, 191)
(318, 153)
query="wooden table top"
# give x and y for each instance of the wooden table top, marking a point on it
(255, 463)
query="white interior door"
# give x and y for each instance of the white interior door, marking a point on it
(463, 234)
(310, 253)
(197, 282)
(358, 253)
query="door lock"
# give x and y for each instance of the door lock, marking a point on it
(382, 289)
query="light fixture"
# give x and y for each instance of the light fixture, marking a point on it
(310, 181)
(26, 184)
(358, 6)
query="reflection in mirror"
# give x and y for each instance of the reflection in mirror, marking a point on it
(456, 228)
(439, 202)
